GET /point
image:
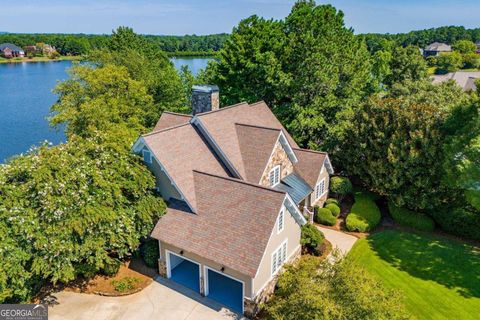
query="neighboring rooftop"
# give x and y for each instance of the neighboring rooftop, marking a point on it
(3, 46)
(465, 79)
(439, 47)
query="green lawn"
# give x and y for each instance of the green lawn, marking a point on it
(439, 278)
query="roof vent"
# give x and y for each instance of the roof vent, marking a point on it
(205, 98)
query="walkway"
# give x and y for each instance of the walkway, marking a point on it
(344, 242)
(163, 299)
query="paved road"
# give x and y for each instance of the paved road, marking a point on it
(162, 299)
(344, 242)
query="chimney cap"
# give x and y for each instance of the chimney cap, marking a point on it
(206, 88)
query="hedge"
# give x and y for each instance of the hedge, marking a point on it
(331, 200)
(151, 253)
(340, 185)
(458, 221)
(312, 238)
(324, 216)
(365, 214)
(411, 219)
(334, 209)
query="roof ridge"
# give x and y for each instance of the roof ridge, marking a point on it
(309, 150)
(166, 129)
(256, 126)
(239, 181)
(224, 108)
(178, 114)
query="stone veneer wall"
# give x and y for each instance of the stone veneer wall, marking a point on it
(204, 102)
(278, 157)
(251, 307)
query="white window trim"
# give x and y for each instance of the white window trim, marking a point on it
(325, 190)
(144, 151)
(278, 267)
(281, 215)
(277, 167)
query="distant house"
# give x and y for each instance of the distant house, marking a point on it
(465, 79)
(478, 46)
(9, 50)
(436, 48)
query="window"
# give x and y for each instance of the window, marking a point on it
(319, 189)
(274, 176)
(279, 257)
(281, 217)
(147, 156)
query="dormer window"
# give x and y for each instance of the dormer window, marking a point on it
(274, 176)
(147, 156)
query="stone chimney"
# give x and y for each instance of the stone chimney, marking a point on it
(205, 98)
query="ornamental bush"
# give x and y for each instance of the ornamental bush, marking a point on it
(312, 238)
(464, 222)
(111, 267)
(411, 219)
(341, 186)
(150, 253)
(335, 209)
(324, 216)
(365, 214)
(331, 200)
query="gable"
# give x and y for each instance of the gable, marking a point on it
(280, 157)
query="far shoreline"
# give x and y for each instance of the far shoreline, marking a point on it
(40, 59)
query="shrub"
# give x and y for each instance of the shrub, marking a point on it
(124, 284)
(356, 223)
(340, 186)
(324, 216)
(365, 214)
(150, 253)
(343, 290)
(331, 200)
(111, 267)
(411, 219)
(312, 238)
(458, 221)
(449, 62)
(335, 209)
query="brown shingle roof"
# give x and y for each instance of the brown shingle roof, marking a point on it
(232, 226)
(171, 119)
(309, 164)
(181, 150)
(256, 145)
(221, 126)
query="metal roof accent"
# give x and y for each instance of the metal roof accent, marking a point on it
(295, 186)
(205, 88)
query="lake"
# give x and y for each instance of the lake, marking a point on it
(25, 100)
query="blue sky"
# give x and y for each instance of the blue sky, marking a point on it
(210, 16)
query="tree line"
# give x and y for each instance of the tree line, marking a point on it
(80, 44)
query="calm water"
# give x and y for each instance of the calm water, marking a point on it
(25, 100)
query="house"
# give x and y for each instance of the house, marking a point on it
(465, 79)
(9, 50)
(238, 190)
(436, 48)
(478, 46)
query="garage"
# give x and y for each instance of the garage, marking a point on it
(224, 289)
(183, 271)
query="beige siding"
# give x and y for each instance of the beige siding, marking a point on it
(278, 157)
(162, 182)
(291, 232)
(211, 264)
(323, 175)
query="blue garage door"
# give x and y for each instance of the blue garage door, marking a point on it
(225, 290)
(184, 272)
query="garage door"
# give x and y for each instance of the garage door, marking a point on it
(225, 290)
(183, 271)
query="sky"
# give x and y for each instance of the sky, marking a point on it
(178, 17)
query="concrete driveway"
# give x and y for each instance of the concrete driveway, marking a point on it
(344, 242)
(163, 299)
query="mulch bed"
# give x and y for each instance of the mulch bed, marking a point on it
(102, 285)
